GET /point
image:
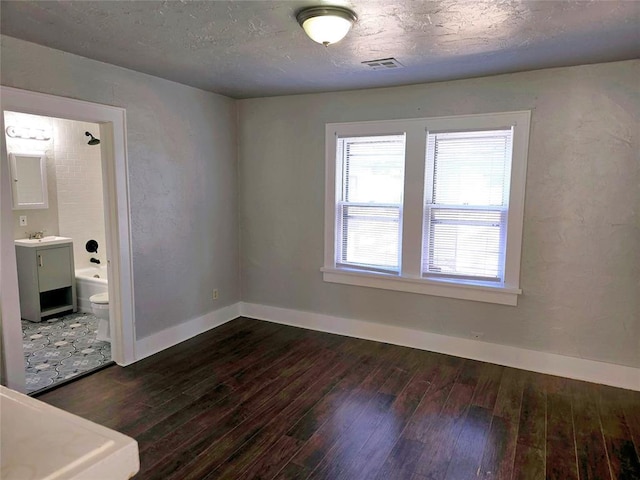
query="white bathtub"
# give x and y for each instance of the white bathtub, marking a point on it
(90, 281)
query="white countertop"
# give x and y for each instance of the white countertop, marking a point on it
(42, 242)
(38, 441)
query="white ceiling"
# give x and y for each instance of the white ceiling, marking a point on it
(255, 48)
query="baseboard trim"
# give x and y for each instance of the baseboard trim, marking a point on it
(542, 362)
(169, 337)
(84, 305)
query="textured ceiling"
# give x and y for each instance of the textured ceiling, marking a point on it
(256, 48)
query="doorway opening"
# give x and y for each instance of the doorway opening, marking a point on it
(58, 210)
(80, 314)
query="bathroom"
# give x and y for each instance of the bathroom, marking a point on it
(69, 336)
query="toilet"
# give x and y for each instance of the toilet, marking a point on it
(100, 308)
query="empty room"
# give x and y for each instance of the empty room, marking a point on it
(292, 239)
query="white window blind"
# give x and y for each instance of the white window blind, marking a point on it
(466, 207)
(369, 202)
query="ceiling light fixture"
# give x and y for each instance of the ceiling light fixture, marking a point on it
(326, 25)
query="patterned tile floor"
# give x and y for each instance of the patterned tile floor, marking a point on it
(61, 348)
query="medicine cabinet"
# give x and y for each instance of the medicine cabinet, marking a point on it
(28, 180)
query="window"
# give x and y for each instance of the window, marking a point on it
(432, 206)
(467, 201)
(368, 210)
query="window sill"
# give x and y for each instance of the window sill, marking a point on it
(465, 291)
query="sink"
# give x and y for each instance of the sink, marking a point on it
(38, 242)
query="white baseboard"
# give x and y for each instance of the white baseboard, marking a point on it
(84, 305)
(550, 363)
(172, 336)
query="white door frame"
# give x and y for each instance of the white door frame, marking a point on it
(112, 121)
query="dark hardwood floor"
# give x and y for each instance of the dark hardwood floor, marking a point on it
(253, 399)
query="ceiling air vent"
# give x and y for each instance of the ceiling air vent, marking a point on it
(383, 64)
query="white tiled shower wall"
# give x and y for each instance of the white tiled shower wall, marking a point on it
(79, 182)
(74, 176)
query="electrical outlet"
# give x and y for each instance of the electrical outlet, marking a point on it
(215, 294)
(23, 220)
(477, 335)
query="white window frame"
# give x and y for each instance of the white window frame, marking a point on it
(410, 277)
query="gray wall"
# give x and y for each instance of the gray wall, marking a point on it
(581, 257)
(182, 172)
(581, 261)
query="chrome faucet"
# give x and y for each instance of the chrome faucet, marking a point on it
(36, 235)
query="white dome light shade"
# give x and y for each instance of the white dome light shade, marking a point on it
(326, 30)
(326, 25)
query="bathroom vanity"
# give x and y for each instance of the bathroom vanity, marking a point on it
(46, 278)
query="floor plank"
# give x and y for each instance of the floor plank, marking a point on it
(590, 445)
(529, 463)
(438, 449)
(467, 453)
(622, 455)
(530, 459)
(256, 400)
(498, 460)
(561, 448)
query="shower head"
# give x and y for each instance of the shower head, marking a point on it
(93, 140)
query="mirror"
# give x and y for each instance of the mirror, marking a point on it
(29, 180)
